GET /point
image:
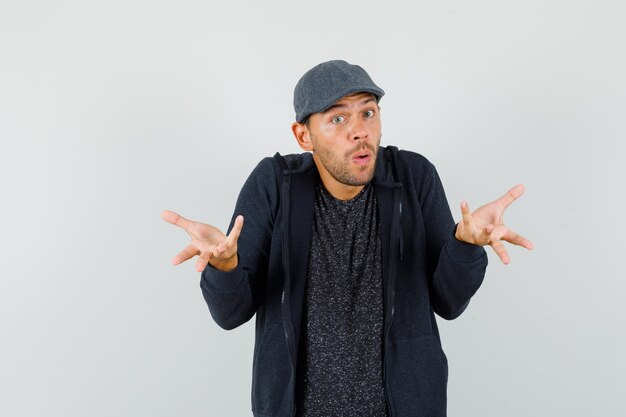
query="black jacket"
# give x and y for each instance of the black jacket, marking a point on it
(425, 271)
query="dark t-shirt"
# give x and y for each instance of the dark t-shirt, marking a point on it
(340, 370)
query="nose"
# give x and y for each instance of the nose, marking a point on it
(357, 129)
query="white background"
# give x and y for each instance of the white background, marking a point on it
(112, 111)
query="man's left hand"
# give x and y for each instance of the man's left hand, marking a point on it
(485, 227)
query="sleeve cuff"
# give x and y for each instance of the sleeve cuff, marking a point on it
(222, 281)
(463, 252)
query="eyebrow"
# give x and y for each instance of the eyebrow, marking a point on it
(336, 106)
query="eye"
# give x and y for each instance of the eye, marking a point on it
(338, 119)
(369, 113)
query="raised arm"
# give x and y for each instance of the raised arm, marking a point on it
(461, 259)
(234, 266)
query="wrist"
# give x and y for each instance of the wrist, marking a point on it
(460, 234)
(457, 234)
(225, 265)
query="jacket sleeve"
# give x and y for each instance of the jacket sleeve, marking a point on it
(457, 268)
(233, 297)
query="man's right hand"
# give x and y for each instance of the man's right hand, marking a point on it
(207, 242)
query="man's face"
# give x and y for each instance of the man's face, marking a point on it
(345, 140)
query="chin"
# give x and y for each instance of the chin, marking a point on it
(363, 179)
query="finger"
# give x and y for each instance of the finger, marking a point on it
(233, 236)
(189, 252)
(175, 219)
(484, 236)
(467, 215)
(202, 262)
(470, 230)
(517, 239)
(228, 248)
(225, 249)
(500, 250)
(511, 195)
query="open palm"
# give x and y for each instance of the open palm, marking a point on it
(207, 242)
(485, 225)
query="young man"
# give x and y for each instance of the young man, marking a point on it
(347, 253)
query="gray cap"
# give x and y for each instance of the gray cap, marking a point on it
(326, 83)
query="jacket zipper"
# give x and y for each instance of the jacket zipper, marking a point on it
(393, 264)
(286, 268)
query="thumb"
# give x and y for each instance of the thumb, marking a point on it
(228, 248)
(233, 236)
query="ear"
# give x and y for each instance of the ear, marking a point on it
(302, 135)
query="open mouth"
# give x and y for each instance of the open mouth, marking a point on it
(362, 157)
